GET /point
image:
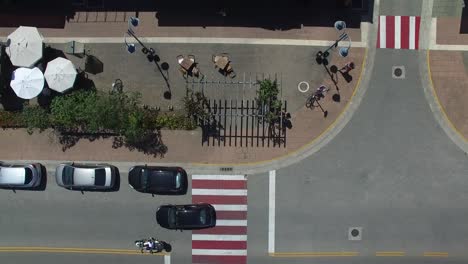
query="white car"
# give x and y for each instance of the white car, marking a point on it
(86, 176)
(20, 175)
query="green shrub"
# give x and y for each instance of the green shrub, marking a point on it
(35, 118)
(10, 119)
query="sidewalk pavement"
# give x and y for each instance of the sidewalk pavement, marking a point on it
(186, 146)
(97, 27)
(449, 71)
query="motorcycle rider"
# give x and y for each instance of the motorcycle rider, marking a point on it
(149, 244)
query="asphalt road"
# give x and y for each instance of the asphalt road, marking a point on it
(58, 217)
(392, 171)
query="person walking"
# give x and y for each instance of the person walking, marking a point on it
(320, 93)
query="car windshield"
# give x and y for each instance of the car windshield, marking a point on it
(203, 216)
(144, 178)
(178, 180)
(27, 175)
(172, 218)
(67, 176)
(100, 177)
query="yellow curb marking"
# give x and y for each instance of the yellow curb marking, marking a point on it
(452, 126)
(313, 254)
(76, 250)
(389, 253)
(332, 125)
(435, 254)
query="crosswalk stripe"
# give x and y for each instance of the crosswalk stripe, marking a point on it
(230, 207)
(204, 237)
(397, 32)
(231, 222)
(412, 34)
(220, 252)
(219, 177)
(229, 192)
(383, 32)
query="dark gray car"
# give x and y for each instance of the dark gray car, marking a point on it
(86, 176)
(20, 175)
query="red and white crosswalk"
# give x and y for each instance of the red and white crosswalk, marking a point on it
(398, 32)
(227, 241)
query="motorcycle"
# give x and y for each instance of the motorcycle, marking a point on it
(158, 245)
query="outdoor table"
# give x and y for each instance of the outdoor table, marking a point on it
(221, 62)
(187, 63)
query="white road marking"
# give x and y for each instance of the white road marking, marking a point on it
(412, 32)
(271, 211)
(219, 237)
(397, 32)
(230, 207)
(231, 222)
(227, 192)
(219, 177)
(167, 259)
(220, 252)
(383, 32)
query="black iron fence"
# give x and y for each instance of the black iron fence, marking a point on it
(243, 123)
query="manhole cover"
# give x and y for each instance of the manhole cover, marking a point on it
(355, 233)
(398, 72)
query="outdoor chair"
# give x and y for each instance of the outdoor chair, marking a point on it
(180, 58)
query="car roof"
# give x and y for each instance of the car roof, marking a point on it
(84, 176)
(11, 175)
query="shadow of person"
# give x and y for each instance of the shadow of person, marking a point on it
(336, 98)
(348, 78)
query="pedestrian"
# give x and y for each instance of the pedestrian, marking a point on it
(320, 93)
(347, 68)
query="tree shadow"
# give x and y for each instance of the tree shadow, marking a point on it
(149, 144)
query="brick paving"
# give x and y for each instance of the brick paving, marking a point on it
(449, 75)
(185, 146)
(448, 32)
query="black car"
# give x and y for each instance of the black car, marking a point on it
(158, 180)
(188, 217)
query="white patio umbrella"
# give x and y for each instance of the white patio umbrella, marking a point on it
(27, 83)
(24, 46)
(60, 74)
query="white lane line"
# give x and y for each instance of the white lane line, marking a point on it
(220, 252)
(397, 32)
(167, 259)
(227, 192)
(412, 32)
(219, 177)
(219, 237)
(231, 222)
(230, 207)
(271, 211)
(383, 32)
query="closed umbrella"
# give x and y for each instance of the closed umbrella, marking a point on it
(27, 83)
(24, 46)
(60, 74)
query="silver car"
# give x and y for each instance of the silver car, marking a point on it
(86, 176)
(20, 175)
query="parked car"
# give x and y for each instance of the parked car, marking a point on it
(86, 176)
(158, 180)
(188, 217)
(20, 175)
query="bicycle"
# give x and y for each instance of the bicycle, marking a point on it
(316, 96)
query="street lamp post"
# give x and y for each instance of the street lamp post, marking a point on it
(340, 26)
(133, 23)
